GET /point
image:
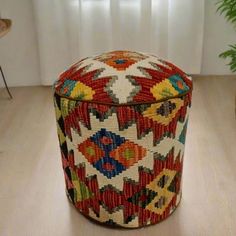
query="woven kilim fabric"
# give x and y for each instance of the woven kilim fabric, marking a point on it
(122, 119)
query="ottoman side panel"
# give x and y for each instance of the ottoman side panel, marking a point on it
(123, 164)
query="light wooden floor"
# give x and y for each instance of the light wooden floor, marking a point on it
(32, 197)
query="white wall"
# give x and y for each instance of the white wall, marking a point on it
(217, 35)
(19, 53)
(18, 49)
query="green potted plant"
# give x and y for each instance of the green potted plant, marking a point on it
(228, 8)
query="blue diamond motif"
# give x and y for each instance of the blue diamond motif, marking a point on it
(116, 169)
(108, 141)
(115, 140)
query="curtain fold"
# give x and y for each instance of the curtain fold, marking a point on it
(69, 30)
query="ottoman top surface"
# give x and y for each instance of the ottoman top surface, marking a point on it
(123, 77)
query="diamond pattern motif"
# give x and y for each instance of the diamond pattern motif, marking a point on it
(122, 120)
(106, 140)
(143, 197)
(107, 193)
(110, 153)
(128, 153)
(109, 167)
(164, 112)
(160, 185)
(120, 60)
(91, 151)
(102, 78)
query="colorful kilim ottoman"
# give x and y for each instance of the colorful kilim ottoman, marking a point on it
(122, 118)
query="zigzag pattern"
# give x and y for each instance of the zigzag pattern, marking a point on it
(143, 116)
(123, 77)
(137, 198)
(135, 202)
(123, 162)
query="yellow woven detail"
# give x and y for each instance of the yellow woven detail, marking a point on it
(57, 111)
(82, 92)
(164, 196)
(163, 90)
(82, 191)
(61, 136)
(165, 119)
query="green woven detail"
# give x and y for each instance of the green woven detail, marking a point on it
(81, 96)
(128, 153)
(57, 110)
(90, 150)
(183, 133)
(67, 106)
(82, 192)
(141, 108)
(61, 136)
(166, 93)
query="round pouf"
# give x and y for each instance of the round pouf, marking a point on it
(122, 118)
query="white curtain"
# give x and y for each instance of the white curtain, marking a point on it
(69, 30)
